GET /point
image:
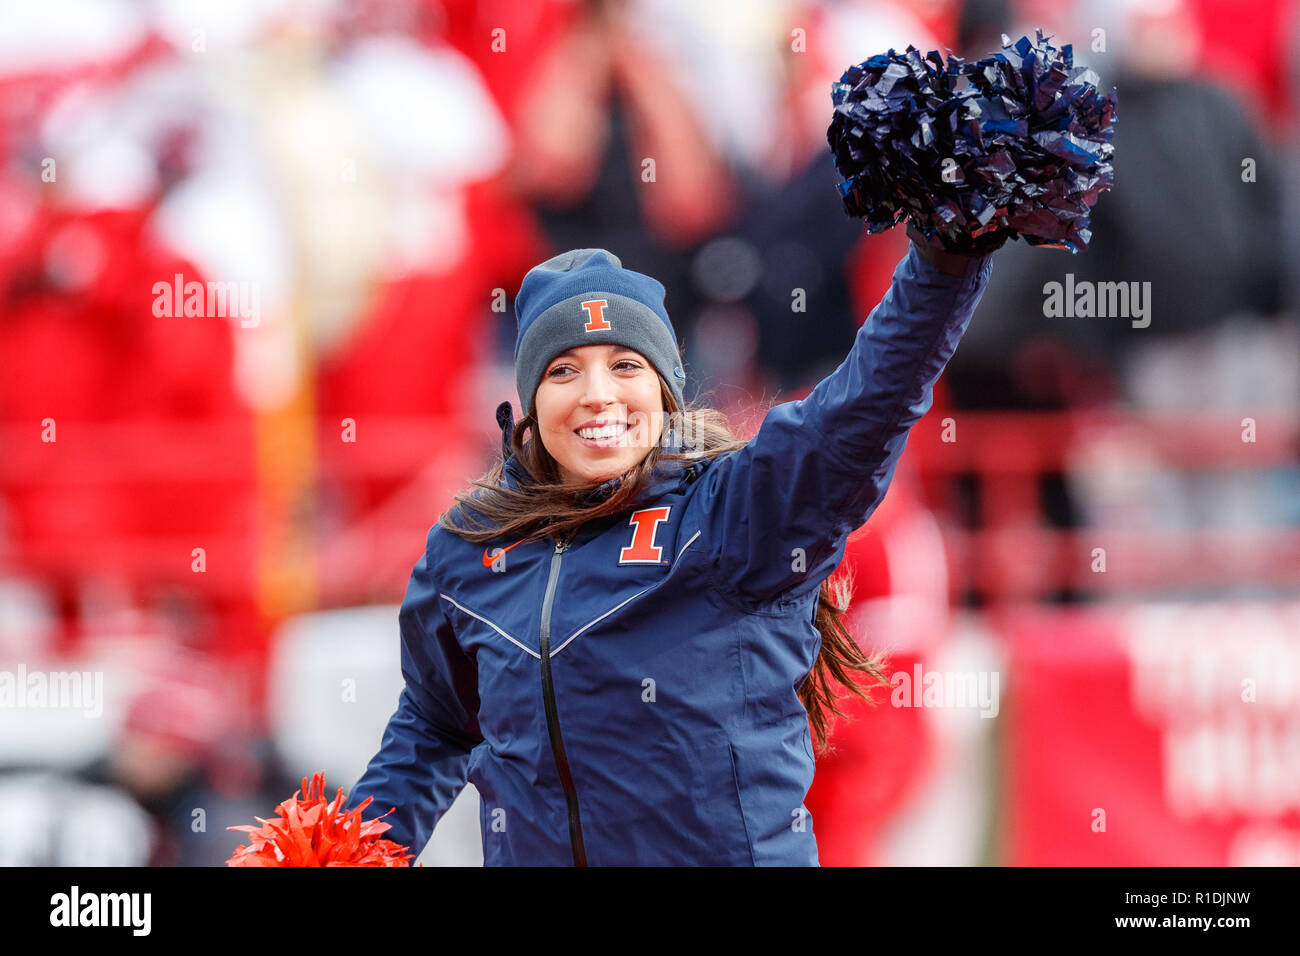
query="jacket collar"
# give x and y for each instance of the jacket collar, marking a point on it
(667, 475)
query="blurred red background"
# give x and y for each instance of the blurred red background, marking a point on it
(218, 511)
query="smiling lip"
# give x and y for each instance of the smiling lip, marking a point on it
(610, 442)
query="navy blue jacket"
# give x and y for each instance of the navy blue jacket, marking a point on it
(630, 696)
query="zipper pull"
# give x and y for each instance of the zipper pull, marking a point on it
(562, 544)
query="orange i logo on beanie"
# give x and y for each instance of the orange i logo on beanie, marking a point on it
(595, 309)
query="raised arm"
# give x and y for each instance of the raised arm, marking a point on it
(422, 762)
(819, 467)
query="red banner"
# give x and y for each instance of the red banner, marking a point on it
(1161, 734)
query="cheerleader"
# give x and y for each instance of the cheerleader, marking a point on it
(623, 635)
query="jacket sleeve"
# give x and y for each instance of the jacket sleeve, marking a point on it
(778, 511)
(423, 758)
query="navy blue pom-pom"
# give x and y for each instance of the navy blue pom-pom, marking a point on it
(1015, 145)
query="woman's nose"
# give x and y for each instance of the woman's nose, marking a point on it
(598, 388)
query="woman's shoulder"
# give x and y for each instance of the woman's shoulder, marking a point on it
(466, 513)
(442, 546)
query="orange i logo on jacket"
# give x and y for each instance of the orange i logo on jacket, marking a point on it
(596, 321)
(643, 549)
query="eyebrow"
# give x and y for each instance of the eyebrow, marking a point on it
(570, 353)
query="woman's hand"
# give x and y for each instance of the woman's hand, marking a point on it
(932, 250)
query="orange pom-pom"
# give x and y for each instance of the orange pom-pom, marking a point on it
(311, 832)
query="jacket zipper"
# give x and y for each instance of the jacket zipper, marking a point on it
(552, 715)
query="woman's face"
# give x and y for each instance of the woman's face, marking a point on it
(599, 411)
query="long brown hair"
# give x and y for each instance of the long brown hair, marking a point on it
(549, 506)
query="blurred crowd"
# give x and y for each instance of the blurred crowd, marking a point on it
(369, 181)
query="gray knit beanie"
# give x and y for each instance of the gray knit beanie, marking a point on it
(586, 297)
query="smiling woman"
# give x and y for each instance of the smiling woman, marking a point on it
(599, 375)
(666, 586)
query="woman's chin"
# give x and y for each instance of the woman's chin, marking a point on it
(597, 474)
(594, 467)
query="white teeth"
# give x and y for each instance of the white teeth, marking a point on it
(605, 431)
